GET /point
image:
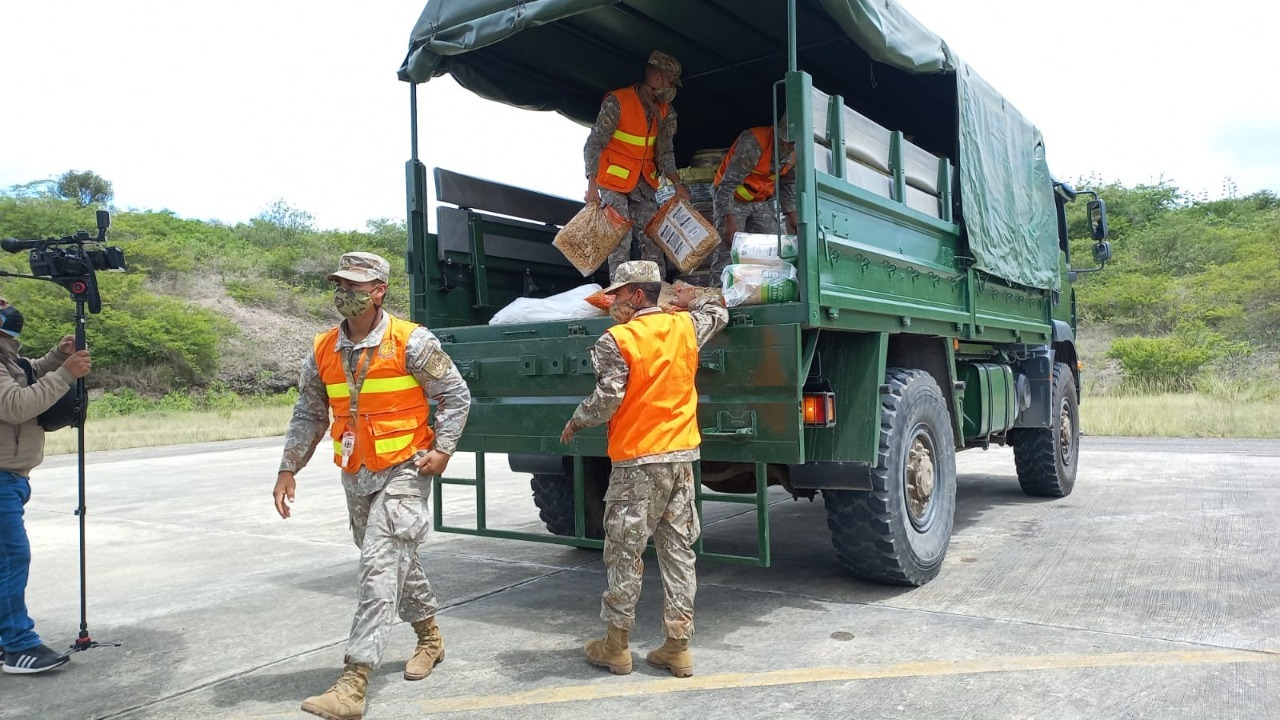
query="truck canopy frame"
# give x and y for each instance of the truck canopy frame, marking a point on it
(564, 55)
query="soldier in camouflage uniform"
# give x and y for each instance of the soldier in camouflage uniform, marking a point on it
(645, 371)
(656, 90)
(392, 367)
(734, 213)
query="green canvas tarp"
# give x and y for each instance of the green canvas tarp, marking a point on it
(562, 55)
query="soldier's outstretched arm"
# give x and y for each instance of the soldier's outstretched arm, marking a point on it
(612, 374)
(709, 317)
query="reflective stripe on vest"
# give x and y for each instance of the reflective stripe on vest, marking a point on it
(659, 412)
(631, 151)
(393, 410)
(630, 139)
(373, 385)
(380, 447)
(761, 182)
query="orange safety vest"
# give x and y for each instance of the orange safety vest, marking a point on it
(632, 149)
(659, 413)
(761, 183)
(392, 408)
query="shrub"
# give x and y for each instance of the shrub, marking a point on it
(1172, 362)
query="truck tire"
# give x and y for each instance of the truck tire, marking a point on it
(553, 494)
(1046, 458)
(898, 532)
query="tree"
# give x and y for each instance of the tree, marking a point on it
(85, 188)
(34, 189)
(290, 220)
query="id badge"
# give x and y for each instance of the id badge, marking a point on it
(348, 446)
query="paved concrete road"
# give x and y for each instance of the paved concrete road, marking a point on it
(1153, 591)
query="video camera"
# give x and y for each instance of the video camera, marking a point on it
(73, 261)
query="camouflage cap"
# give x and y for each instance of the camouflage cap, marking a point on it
(362, 267)
(667, 64)
(635, 271)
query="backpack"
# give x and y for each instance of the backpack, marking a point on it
(69, 411)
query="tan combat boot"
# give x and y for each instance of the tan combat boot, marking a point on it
(345, 700)
(428, 653)
(611, 651)
(674, 656)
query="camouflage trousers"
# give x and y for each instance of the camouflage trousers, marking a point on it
(651, 501)
(639, 206)
(752, 217)
(388, 527)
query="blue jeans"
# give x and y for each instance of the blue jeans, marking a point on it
(17, 630)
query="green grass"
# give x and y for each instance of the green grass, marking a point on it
(171, 427)
(1180, 415)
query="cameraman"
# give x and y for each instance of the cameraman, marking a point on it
(20, 404)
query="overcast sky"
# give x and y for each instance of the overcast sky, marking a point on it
(215, 110)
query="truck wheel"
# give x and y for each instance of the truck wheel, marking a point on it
(898, 532)
(1046, 458)
(553, 494)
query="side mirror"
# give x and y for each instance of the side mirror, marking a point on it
(1102, 249)
(104, 219)
(1097, 210)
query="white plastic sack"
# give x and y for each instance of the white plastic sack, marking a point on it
(568, 305)
(762, 248)
(760, 284)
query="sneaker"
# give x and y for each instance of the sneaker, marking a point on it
(33, 660)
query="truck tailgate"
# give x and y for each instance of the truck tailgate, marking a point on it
(526, 380)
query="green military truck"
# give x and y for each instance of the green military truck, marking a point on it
(935, 310)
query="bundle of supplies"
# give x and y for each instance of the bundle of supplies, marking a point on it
(684, 234)
(762, 248)
(590, 236)
(567, 305)
(752, 284)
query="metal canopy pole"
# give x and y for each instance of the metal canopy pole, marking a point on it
(792, 62)
(413, 121)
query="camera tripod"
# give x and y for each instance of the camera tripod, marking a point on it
(67, 262)
(83, 641)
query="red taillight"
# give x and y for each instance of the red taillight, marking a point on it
(820, 410)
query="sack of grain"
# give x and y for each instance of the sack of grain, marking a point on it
(590, 236)
(762, 248)
(684, 234)
(760, 284)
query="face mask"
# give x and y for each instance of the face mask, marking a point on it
(622, 310)
(11, 321)
(351, 303)
(665, 95)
